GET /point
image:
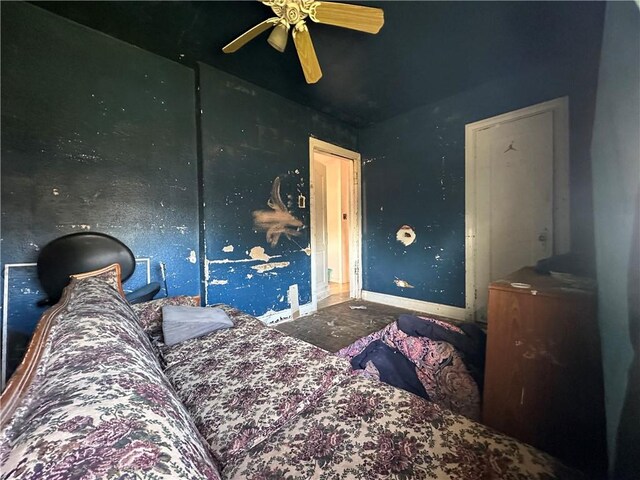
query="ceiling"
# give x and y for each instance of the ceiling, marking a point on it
(425, 51)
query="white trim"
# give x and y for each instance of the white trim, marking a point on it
(561, 220)
(455, 313)
(355, 242)
(146, 260)
(282, 316)
(5, 317)
(322, 293)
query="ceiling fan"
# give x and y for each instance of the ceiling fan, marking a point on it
(292, 14)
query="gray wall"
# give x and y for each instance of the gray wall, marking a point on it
(616, 179)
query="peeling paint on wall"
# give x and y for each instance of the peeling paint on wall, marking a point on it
(265, 267)
(244, 207)
(193, 258)
(402, 283)
(218, 282)
(258, 253)
(207, 272)
(277, 221)
(406, 235)
(228, 249)
(81, 226)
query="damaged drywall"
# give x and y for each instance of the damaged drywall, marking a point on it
(258, 253)
(255, 169)
(265, 267)
(402, 283)
(277, 221)
(406, 235)
(414, 171)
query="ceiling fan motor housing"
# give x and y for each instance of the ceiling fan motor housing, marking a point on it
(291, 12)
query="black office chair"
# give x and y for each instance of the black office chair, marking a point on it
(84, 252)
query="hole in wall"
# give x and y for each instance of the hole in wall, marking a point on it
(406, 235)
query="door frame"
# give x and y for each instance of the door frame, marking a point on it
(561, 227)
(355, 217)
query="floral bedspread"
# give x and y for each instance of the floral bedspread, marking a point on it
(268, 406)
(365, 430)
(243, 383)
(99, 406)
(274, 407)
(439, 367)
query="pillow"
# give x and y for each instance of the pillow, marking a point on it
(150, 313)
(184, 323)
(110, 274)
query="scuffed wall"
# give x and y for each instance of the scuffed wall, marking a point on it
(414, 172)
(254, 245)
(97, 135)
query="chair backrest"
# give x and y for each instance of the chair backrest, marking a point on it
(77, 253)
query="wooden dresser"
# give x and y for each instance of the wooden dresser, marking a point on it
(543, 378)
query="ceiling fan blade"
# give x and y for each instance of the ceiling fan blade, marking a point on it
(355, 17)
(306, 53)
(249, 35)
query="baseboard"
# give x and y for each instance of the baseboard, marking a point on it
(456, 313)
(283, 316)
(322, 294)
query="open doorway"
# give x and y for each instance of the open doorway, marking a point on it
(335, 224)
(335, 172)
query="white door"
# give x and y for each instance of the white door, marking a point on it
(320, 225)
(514, 186)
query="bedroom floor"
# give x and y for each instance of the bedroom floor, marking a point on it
(337, 326)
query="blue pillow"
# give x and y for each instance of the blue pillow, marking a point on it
(180, 323)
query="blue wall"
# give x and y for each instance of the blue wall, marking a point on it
(413, 171)
(616, 186)
(250, 136)
(96, 135)
(100, 135)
